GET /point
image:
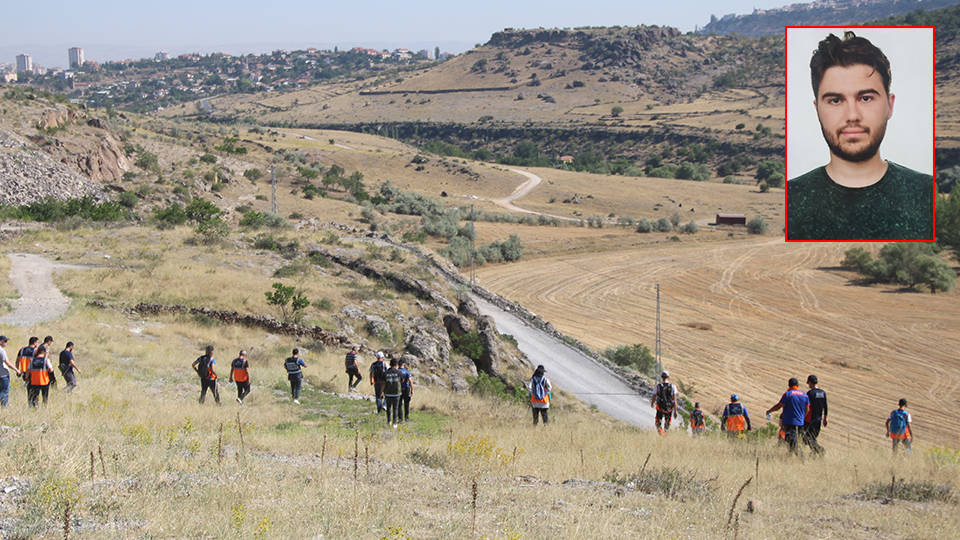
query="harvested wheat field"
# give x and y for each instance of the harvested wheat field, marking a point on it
(744, 316)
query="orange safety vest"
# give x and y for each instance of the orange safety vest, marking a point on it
(694, 424)
(735, 422)
(240, 375)
(39, 376)
(902, 436)
(24, 357)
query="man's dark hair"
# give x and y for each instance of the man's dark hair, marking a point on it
(296, 351)
(833, 51)
(34, 339)
(393, 362)
(209, 350)
(902, 402)
(793, 382)
(48, 339)
(69, 344)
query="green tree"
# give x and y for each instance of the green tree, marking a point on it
(948, 221)
(637, 356)
(526, 150)
(283, 296)
(616, 110)
(253, 174)
(200, 210)
(768, 168)
(757, 226)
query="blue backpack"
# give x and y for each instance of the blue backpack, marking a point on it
(539, 392)
(898, 422)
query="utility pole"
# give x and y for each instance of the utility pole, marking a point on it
(273, 182)
(659, 364)
(474, 227)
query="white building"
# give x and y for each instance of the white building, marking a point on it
(24, 63)
(161, 56)
(76, 56)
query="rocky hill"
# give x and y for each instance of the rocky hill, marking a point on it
(28, 174)
(764, 22)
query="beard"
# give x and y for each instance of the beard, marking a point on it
(867, 152)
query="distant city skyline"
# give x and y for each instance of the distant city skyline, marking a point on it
(110, 30)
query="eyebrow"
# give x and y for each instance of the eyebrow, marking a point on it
(868, 91)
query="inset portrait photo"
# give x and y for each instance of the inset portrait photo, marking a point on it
(860, 134)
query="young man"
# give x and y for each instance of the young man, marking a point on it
(665, 401)
(68, 366)
(4, 373)
(240, 373)
(857, 195)
(203, 365)
(391, 393)
(377, 371)
(294, 366)
(697, 423)
(24, 355)
(736, 420)
(39, 377)
(795, 404)
(406, 391)
(816, 416)
(353, 368)
(900, 426)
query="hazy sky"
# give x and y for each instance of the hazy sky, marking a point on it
(109, 30)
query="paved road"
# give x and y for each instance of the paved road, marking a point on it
(573, 371)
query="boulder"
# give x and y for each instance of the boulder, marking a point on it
(468, 308)
(459, 384)
(456, 325)
(428, 342)
(492, 347)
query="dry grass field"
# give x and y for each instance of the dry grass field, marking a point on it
(772, 310)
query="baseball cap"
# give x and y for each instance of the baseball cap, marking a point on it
(665, 374)
(4, 339)
(379, 354)
(734, 397)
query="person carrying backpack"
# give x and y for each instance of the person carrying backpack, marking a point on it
(39, 377)
(377, 372)
(697, 423)
(391, 393)
(816, 415)
(353, 369)
(406, 391)
(665, 400)
(68, 366)
(203, 365)
(540, 388)
(736, 420)
(24, 355)
(240, 373)
(795, 405)
(900, 426)
(294, 366)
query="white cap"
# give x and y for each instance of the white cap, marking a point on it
(665, 374)
(379, 354)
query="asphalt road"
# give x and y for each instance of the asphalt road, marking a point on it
(573, 371)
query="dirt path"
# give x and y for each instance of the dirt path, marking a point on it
(573, 371)
(523, 190)
(40, 300)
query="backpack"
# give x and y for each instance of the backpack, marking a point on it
(377, 369)
(537, 387)
(203, 368)
(391, 382)
(898, 422)
(696, 418)
(665, 396)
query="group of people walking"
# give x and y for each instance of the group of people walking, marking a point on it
(393, 385)
(33, 365)
(801, 418)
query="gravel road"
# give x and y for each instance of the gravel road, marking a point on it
(573, 371)
(40, 300)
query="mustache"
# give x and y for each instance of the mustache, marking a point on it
(865, 129)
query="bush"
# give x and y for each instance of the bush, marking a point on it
(675, 219)
(898, 488)
(907, 264)
(147, 161)
(53, 210)
(672, 482)
(170, 216)
(757, 226)
(616, 110)
(253, 174)
(664, 225)
(487, 386)
(764, 187)
(637, 356)
(512, 249)
(200, 210)
(252, 219)
(644, 226)
(690, 228)
(128, 199)
(212, 231)
(469, 345)
(208, 158)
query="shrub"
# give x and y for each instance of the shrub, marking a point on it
(282, 295)
(616, 110)
(664, 225)
(675, 219)
(637, 356)
(147, 161)
(919, 491)
(252, 174)
(690, 228)
(200, 210)
(208, 158)
(757, 226)
(764, 187)
(170, 216)
(252, 219)
(644, 226)
(487, 386)
(128, 199)
(672, 482)
(469, 345)
(212, 231)
(906, 264)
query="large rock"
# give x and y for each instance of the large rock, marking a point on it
(428, 342)
(102, 161)
(456, 325)
(378, 327)
(493, 353)
(468, 308)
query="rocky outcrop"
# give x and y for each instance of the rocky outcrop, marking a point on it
(51, 119)
(428, 341)
(101, 160)
(492, 346)
(456, 325)
(27, 174)
(374, 324)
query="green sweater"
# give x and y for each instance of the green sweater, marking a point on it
(898, 207)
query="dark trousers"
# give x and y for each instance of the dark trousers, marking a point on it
(34, 392)
(540, 412)
(351, 373)
(212, 385)
(243, 388)
(792, 436)
(378, 391)
(70, 377)
(811, 430)
(665, 416)
(4, 390)
(392, 408)
(404, 407)
(295, 382)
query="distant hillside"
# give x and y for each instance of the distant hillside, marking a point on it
(825, 12)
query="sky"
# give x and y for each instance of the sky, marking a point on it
(114, 30)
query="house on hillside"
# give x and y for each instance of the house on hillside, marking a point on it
(731, 219)
(565, 160)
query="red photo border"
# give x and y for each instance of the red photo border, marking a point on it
(786, 97)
